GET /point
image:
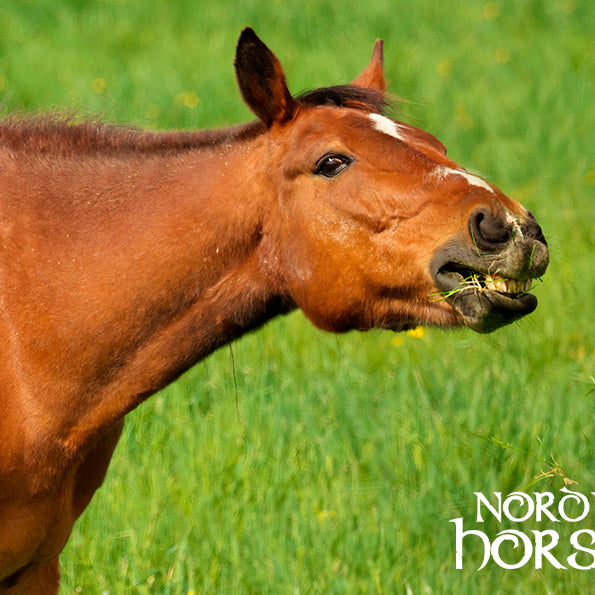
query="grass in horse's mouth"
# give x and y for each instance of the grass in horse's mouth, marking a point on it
(472, 279)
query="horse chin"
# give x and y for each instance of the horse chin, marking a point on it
(485, 311)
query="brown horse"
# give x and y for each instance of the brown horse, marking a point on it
(127, 256)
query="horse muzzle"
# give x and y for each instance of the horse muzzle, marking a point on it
(486, 272)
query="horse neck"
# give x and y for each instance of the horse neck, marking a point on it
(177, 273)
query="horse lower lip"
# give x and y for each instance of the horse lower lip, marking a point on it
(505, 298)
(485, 311)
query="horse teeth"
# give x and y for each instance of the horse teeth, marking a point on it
(511, 286)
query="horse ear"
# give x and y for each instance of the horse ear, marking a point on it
(373, 75)
(262, 81)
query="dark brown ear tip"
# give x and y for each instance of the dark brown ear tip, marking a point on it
(248, 36)
(248, 43)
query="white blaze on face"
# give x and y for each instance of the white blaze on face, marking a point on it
(396, 130)
(474, 180)
(388, 126)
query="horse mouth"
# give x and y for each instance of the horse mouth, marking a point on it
(484, 300)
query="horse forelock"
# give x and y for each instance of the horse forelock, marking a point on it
(346, 96)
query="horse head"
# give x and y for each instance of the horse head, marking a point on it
(374, 225)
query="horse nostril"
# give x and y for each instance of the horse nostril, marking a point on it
(532, 230)
(488, 231)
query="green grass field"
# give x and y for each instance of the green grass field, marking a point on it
(302, 462)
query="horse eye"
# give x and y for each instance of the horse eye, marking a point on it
(330, 165)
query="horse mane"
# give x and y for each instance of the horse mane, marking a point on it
(66, 134)
(61, 134)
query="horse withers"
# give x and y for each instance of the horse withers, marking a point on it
(127, 256)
